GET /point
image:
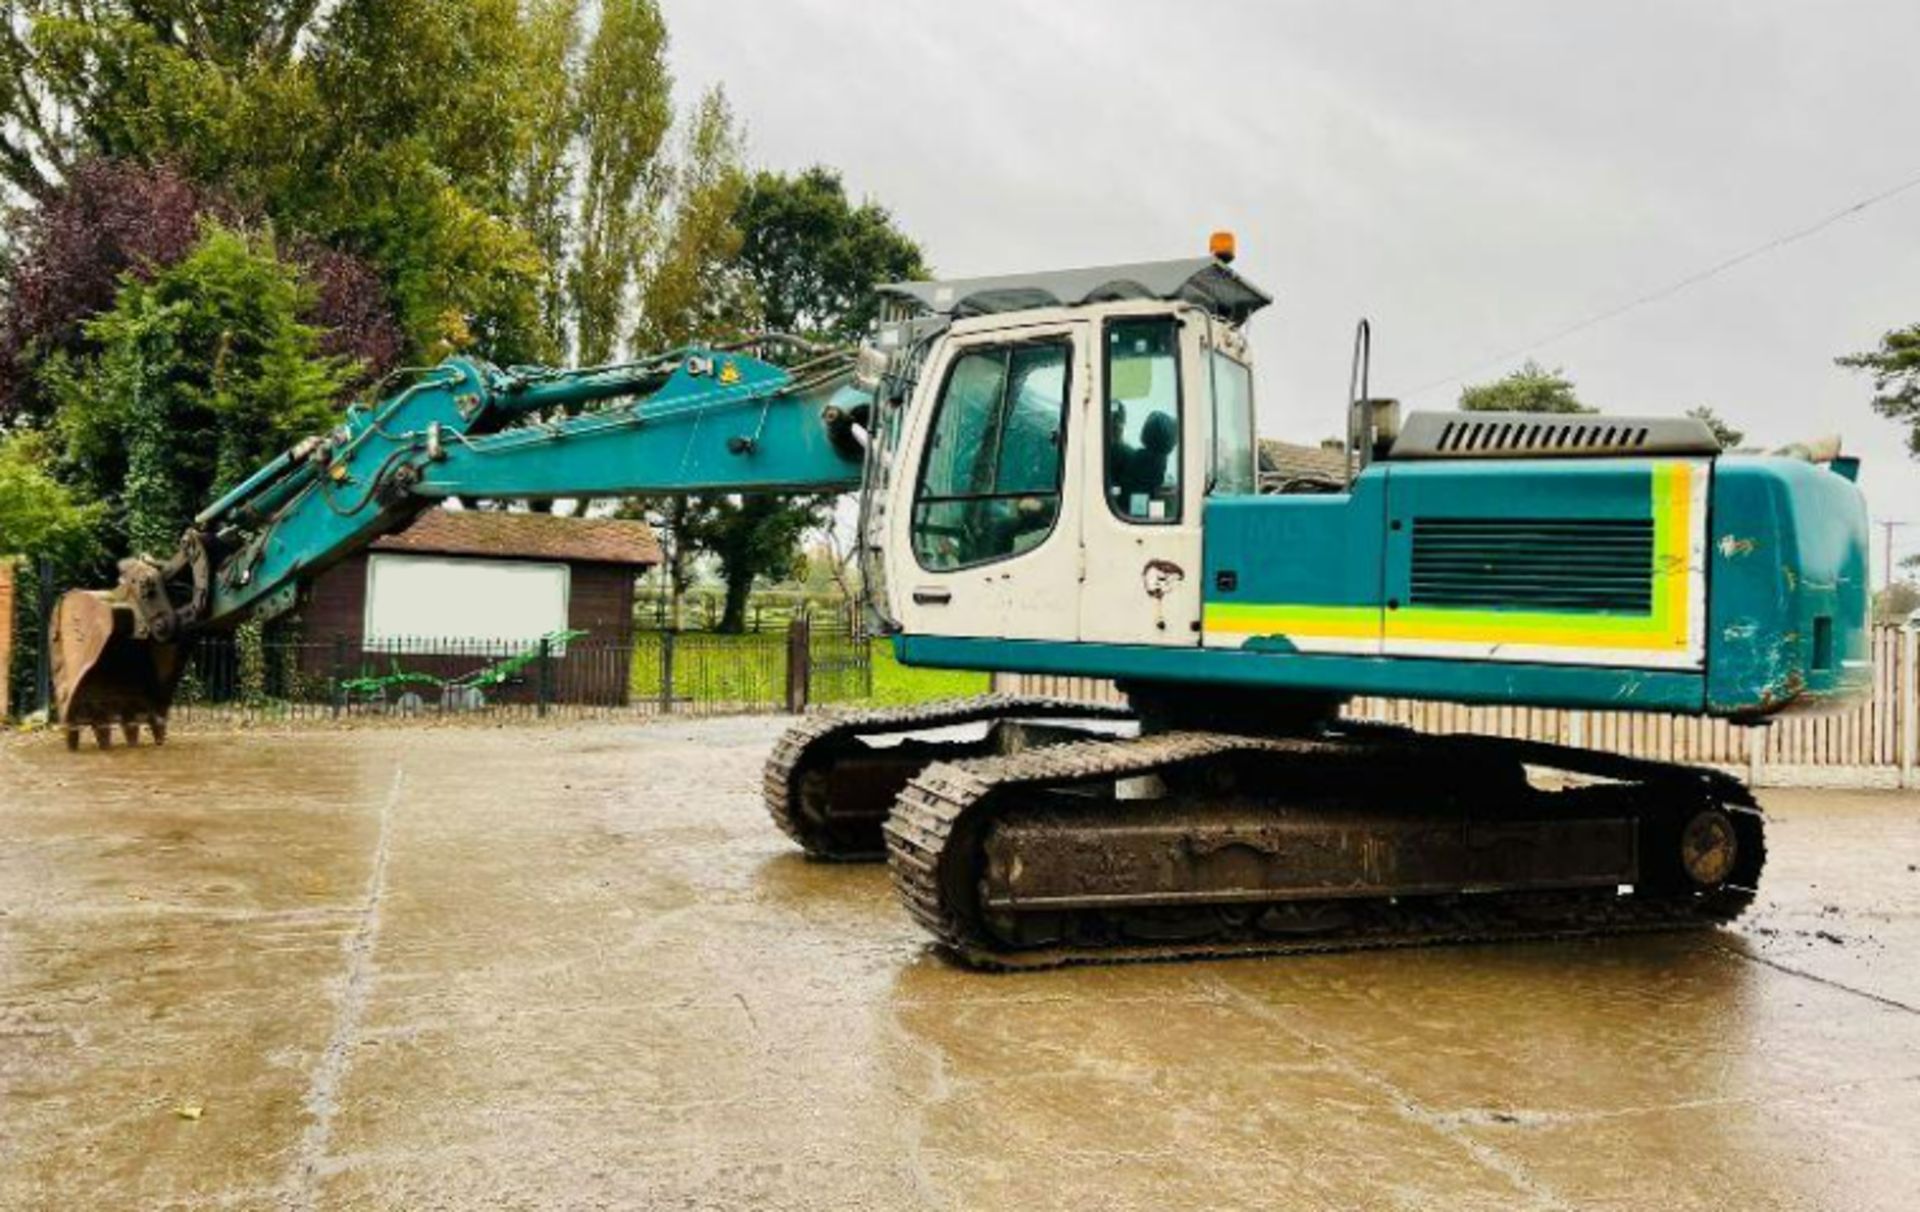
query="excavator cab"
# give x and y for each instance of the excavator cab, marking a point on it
(1093, 420)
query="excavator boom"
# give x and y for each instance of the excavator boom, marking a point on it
(692, 420)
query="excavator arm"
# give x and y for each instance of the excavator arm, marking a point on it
(727, 419)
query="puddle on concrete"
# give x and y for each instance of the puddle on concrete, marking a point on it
(582, 970)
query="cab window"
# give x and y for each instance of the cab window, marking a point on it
(1143, 419)
(1232, 464)
(990, 481)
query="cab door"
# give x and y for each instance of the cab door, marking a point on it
(1140, 533)
(986, 526)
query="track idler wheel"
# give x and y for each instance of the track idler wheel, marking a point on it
(1712, 848)
(1709, 848)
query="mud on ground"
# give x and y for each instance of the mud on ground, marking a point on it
(575, 968)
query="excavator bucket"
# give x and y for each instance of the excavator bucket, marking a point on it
(104, 674)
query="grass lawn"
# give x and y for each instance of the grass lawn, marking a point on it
(897, 683)
(709, 668)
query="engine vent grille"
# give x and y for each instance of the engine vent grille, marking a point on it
(1530, 437)
(1575, 564)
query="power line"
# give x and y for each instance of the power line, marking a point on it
(1681, 284)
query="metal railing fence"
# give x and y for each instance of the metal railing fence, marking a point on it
(243, 679)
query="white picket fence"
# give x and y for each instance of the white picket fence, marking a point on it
(1872, 743)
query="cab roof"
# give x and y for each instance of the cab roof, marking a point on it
(1203, 281)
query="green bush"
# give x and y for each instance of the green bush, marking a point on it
(195, 378)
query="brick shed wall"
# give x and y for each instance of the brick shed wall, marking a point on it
(599, 602)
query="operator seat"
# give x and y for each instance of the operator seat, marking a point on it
(1142, 470)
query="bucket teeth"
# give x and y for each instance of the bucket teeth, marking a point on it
(104, 674)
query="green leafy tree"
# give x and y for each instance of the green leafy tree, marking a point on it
(1895, 367)
(195, 377)
(814, 257)
(1532, 388)
(751, 537)
(1725, 434)
(500, 160)
(692, 287)
(616, 119)
(39, 516)
(789, 252)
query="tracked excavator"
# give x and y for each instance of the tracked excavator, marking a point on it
(1057, 474)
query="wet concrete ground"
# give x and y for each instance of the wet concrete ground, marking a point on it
(577, 969)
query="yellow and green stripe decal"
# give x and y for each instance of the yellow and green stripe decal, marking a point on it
(1664, 628)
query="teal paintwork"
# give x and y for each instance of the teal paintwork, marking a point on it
(1354, 548)
(754, 436)
(691, 421)
(1608, 489)
(1789, 547)
(1314, 549)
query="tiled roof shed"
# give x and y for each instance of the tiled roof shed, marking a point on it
(540, 536)
(1284, 463)
(603, 557)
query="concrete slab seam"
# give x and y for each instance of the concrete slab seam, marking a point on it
(323, 1089)
(1777, 966)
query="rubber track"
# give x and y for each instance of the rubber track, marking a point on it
(805, 740)
(924, 818)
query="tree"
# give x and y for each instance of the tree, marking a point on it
(814, 258)
(107, 220)
(191, 380)
(1895, 367)
(1898, 599)
(616, 122)
(1723, 433)
(753, 536)
(693, 289)
(789, 252)
(39, 516)
(833, 562)
(111, 220)
(1896, 603)
(499, 161)
(1532, 388)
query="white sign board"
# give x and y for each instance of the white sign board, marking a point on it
(481, 606)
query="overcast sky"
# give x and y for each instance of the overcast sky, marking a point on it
(1472, 176)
